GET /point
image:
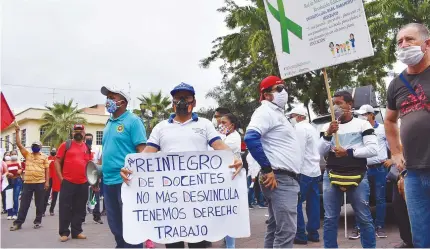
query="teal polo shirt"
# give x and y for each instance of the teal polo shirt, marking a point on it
(120, 138)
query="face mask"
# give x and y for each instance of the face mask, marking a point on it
(14, 157)
(362, 117)
(224, 130)
(338, 112)
(89, 142)
(215, 122)
(53, 153)
(78, 137)
(7, 158)
(111, 105)
(293, 121)
(35, 149)
(411, 55)
(280, 99)
(182, 107)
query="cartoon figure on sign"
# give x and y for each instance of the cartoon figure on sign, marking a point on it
(348, 46)
(337, 49)
(331, 46)
(352, 40)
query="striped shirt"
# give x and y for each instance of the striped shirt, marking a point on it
(35, 165)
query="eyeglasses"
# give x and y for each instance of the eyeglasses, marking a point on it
(278, 89)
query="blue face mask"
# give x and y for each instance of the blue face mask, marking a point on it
(35, 149)
(111, 106)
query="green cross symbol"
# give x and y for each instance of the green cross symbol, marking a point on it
(286, 24)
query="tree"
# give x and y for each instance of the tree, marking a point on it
(59, 121)
(156, 108)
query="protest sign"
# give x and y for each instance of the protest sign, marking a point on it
(187, 196)
(313, 34)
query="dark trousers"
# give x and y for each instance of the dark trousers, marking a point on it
(53, 199)
(402, 217)
(28, 190)
(96, 211)
(73, 200)
(3, 201)
(201, 244)
(112, 197)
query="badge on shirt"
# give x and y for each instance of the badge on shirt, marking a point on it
(120, 128)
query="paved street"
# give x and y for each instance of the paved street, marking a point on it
(100, 235)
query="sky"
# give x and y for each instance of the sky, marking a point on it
(58, 50)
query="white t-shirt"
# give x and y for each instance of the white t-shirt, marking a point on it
(309, 141)
(194, 135)
(234, 141)
(278, 137)
(382, 146)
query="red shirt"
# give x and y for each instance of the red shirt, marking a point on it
(56, 184)
(75, 162)
(13, 168)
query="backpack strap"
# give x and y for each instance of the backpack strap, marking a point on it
(408, 85)
(68, 145)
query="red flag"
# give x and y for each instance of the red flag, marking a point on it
(7, 116)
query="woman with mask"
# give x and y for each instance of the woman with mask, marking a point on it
(15, 183)
(6, 158)
(228, 127)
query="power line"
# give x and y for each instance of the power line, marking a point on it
(53, 88)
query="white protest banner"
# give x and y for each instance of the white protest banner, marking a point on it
(187, 196)
(313, 34)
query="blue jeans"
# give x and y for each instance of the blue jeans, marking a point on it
(230, 242)
(310, 193)
(359, 199)
(378, 177)
(112, 198)
(251, 193)
(417, 192)
(17, 186)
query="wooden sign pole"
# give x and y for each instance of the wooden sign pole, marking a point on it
(330, 102)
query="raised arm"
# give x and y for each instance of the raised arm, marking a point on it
(21, 148)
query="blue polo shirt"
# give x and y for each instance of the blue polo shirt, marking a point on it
(120, 138)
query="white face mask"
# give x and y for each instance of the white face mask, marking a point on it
(280, 99)
(411, 55)
(362, 117)
(14, 158)
(7, 158)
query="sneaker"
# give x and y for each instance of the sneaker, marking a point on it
(403, 245)
(9, 217)
(149, 244)
(15, 228)
(14, 217)
(37, 226)
(103, 213)
(98, 221)
(251, 207)
(300, 242)
(380, 232)
(355, 234)
(64, 238)
(51, 213)
(80, 236)
(262, 206)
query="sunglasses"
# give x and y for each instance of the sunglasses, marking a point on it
(278, 89)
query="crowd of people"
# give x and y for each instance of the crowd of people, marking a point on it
(280, 151)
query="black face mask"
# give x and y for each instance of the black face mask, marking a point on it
(53, 153)
(78, 137)
(89, 142)
(182, 107)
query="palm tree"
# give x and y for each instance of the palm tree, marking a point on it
(60, 119)
(155, 108)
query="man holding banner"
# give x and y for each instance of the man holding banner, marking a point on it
(346, 170)
(279, 160)
(184, 131)
(408, 99)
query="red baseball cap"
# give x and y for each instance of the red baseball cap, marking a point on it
(78, 127)
(268, 82)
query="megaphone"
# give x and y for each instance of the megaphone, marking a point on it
(93, 173)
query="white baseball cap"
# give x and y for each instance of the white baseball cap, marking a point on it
(365, 109)
(298, 110)
(106, 90)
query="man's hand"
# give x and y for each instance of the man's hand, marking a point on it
(340, 152)
(9, 175)
(270, 181)
(46, 187)
(19, 172)
(16, 127)
(253, 179)
(95, 188)
(399, 161)
(333, 128)
(125, 173)
(388, 163)
(237, 164)
(401, 186)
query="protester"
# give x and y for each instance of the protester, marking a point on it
(54, 184)
(94, 157)
(376, 172)
(124, 134)
(36, 181)
(177, 134)
(219, 113)
(15, 183)
(6, 158)
(346, 170)
(228, 127)
(70, 164)
(408, 99)
(310, 175)
(272, 141)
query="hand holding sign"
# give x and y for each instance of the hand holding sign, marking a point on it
(238, 165)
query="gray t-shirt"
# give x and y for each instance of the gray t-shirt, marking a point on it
(415, 117)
